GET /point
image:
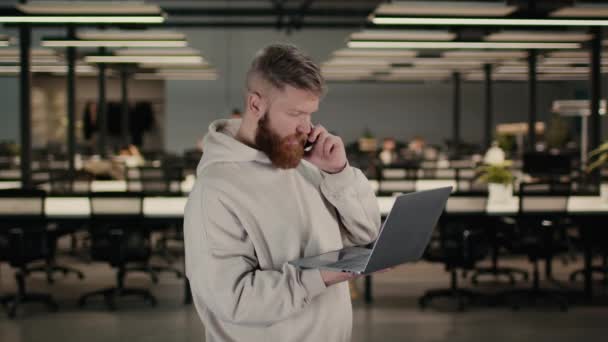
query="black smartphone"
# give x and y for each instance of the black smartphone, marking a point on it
(308, 145)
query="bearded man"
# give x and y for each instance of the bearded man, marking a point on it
(260, 201)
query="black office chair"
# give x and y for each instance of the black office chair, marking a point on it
(119, 238)
(163, 181)
(594, 236)
(460, 244)
(23, 240)
(540, 224)
(62, 183)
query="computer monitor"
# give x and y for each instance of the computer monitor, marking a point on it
(546, 164)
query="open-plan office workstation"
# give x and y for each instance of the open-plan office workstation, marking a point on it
(104, 107)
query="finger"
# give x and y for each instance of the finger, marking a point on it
(317, 130)
(328, 145)
(320, 141)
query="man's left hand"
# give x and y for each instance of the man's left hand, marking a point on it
(328, 152)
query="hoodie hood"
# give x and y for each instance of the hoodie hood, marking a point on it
(220, 145)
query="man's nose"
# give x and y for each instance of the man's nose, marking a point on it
(305, 127)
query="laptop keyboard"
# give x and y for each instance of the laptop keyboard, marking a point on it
(356, 263)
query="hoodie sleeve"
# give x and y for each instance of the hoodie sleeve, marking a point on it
(224, 271)
(351, 194)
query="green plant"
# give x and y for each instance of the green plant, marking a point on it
(367, 133)
(597, 157)
(506, 142)
(498, 173)
(557, 132)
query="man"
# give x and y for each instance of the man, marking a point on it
(260, 202)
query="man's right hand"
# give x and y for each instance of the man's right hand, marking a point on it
(330, 278)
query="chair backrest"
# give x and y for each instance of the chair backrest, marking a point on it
(22, 226)
(117, 235)
(544, 197)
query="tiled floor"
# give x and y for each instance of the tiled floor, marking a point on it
(394, 315)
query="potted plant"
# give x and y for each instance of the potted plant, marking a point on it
(596, 159)
(499, 179)
(367, 143)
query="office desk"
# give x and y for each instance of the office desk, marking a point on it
(171, 209)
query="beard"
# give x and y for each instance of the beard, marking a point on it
(281, 151)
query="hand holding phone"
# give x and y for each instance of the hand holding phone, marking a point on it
(326, 150)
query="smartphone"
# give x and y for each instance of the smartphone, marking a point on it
(308, 145)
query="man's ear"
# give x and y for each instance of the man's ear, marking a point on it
(256, 105)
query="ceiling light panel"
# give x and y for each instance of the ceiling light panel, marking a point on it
(445, 8)
(403, 35)
(536, 36)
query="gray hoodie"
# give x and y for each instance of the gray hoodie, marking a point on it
(245, 220)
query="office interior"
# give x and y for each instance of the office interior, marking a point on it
(104, 106)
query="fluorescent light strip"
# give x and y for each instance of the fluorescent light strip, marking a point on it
(40, 19)
(148, 34)
(403, 35)
(536, 36)
(185, 77)
(487, 21)
(371, 62)
(485, 55)
(46, 68)
(158, 52)
(447, 8)
(39, 60)
(582, 10)
(352, 53)
(567, 61)
(114, 43)
(459, 45)
(144, 59)
(524, 77)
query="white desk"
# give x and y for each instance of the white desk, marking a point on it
(429, 184)
(121, 185)
(386, 204)
(586, 204)
(164, 206)
(10, 185)
(510, 207)
(108, 186)
(67, 207)
(80, 207)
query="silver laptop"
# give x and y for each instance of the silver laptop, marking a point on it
(403, 237)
